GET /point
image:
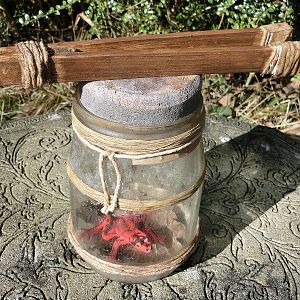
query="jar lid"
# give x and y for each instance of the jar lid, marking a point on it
(143, 101)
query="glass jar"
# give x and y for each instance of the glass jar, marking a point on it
(154, 225)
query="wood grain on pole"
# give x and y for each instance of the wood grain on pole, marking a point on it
(79, 66)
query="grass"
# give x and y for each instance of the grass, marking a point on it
(265, 101)
(16, 104)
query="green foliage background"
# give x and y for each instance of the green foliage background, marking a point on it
(55, 20)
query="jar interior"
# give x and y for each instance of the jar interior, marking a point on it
(135, 238)
(139, 182)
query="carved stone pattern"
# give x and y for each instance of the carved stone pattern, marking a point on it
(250, 211)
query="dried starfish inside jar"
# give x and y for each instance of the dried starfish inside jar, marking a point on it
(136, 171)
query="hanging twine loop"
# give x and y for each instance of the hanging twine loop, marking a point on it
(285, 60)
(34, 62)
(109, 204)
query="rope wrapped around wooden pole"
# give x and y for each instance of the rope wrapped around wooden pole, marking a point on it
(285, 60)
(34, 62)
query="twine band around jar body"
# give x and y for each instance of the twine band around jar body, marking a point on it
(131, 271)
(112, 148)
(134, 204)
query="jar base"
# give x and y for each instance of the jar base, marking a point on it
(128, 273)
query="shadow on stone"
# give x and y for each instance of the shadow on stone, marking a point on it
(245, 177)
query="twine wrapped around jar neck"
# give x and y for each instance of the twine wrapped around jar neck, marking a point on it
(111, 148)
(137, 148)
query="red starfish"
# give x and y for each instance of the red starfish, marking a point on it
(126, 230)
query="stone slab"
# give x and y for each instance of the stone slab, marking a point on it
(250, 240)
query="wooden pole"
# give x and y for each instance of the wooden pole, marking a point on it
(220, 51)
(68, 67)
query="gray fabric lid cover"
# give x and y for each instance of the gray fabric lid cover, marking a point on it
(143, 101)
